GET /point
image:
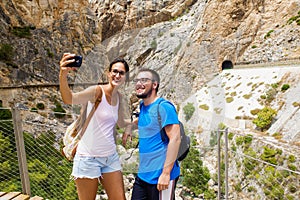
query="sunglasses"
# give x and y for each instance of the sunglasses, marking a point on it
(115, 72)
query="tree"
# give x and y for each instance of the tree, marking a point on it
(195, 175)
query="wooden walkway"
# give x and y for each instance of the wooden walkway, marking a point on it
(17, 196)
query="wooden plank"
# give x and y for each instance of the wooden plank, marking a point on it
(36, 198)
(22, 197)
(9, 196)
(2, 193)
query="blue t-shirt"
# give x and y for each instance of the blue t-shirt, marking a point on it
(152, 149)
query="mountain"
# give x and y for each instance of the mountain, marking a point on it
(186, 41)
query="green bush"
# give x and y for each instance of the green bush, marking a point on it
(195, 175)
(263, 96)
(40, 106)
(23, 32)
(230, 135)
(49, 53)
(229, 99)
(294, 18)
(247, 96)
(248, 139)
(153, 44)
(285, 87)
(249, 164)
(239, 140)
(5, 114)
(274, 85)
(188, 110)
(238, 187)
(268, 34)
(291, 158)
(265, 117)
(251, 189)
(6, 52)
(270, 93)
(210, 194)
(292, 167)
(59, 111)
(277, 135)
(233, 148)
(268, 155)
(292, 188)
(204, 106)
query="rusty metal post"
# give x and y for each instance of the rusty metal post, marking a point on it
(226, 163)
(219, 164)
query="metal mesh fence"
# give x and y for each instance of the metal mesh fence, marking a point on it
(48, 171)
(257, 166)
(9, 169)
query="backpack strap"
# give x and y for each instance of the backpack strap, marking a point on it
(163, 134)
(162, 130)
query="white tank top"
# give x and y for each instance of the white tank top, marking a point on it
(98, 139)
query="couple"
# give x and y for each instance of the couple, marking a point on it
(96, 158)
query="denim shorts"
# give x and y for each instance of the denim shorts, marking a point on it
(94, 167)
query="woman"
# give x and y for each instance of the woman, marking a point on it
(96, 157)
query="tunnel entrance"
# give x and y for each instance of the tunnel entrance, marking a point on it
(227, 64)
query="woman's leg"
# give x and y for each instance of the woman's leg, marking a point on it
(113, 185)
(87, 188)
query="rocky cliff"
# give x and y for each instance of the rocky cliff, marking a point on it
(186, 41)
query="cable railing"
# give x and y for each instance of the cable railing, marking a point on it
(253, 168)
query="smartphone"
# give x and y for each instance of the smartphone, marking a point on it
(76, 63)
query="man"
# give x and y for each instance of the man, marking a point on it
(158, 168)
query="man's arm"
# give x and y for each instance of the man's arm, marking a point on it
(173, 133)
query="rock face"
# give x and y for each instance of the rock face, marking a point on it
(186, 41)
(38, 32)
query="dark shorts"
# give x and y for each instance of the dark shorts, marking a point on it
(145, 191)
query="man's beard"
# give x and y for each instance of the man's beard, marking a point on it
(144, 95)
(141, 96)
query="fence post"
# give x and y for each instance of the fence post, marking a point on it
(219, 164)
(226, 163)
(21, 150)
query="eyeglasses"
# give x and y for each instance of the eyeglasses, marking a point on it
(142, 80)
(115, 72)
